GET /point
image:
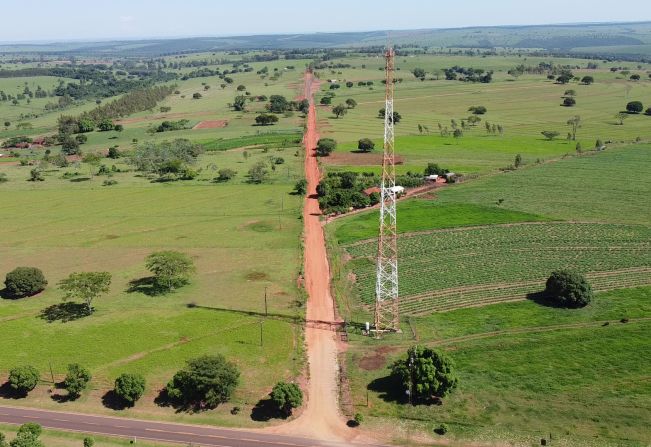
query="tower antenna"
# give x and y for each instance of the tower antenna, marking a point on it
(387, 316)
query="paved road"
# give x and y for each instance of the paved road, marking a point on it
(154, 431)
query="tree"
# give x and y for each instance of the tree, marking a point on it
(239, 104)
(23, 379)
(478, 110)
(7, 124)
(266, 119)
(241, 88)
(204, 382)
(635, 77)
(325, 146)
(69, 145)
(89, 442)
(567, 288)
(458, 133)
(425, 373)
(634, 107)
(171, 269)
(258, 172)
(25, 281)
(587, 80)
(621, 116)
(339, 110)
(351, 103)
(76, 380)
(85, 286)
(278, 104)
(518, 161)
(570, 93)
(86, 125)
(396, 116)
(365, 145)
(300, 188)
(569, 102)
(648, 112)
(27, 436)
(326, 101)
(286, 396)
(129, 387)
(550, 134)
(304, 106)
(196, 96)
(419, 73)
(564, 78)
(113, 153)
(575, 124)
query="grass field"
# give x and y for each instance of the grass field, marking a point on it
(244, 240)
(524, 107)
(525, 371)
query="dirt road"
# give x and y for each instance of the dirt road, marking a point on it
(321, 418)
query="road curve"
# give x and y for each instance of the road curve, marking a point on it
(154, 431)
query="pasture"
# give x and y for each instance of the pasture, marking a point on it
(525, 106)
(244, 239)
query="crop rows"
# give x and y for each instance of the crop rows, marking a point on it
(503, 262)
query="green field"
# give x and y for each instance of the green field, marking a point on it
(525, 106)
(525, 371)
(243, 238)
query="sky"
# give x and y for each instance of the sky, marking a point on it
(60, 20)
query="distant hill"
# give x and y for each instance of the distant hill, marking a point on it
(608, 39)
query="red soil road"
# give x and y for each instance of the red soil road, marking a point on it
(321, 418)
(211, 124)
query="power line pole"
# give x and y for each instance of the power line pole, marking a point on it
(386, 287)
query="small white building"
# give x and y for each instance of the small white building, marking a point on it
(332, 81)
(432, 177)
(449, 175)
(398, 190)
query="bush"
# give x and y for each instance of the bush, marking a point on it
(89, 442)
(441, 429)
(365, 145)
(648, 111)
(23, 379)
(286, 396)
(300, 188)
(76, 380)
(25, 281)
(3, 177)
(478, 110)
(225, 175)
(634, 107)
(568, 289)
(109, 182)
(30, 428)
(569, 102)
(204, 382)
(325, 146)
(129, 387)
(359, 419)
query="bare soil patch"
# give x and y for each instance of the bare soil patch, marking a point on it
(257, 276)
(211, 124)
(376, 359)
(162, 116)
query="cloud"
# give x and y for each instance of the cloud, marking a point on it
(127, 19)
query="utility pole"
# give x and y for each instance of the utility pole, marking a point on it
(266, 312)
(261, 333)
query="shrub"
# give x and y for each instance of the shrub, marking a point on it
(76, 380)
(23, 379)
(365, 145)
(204, 382)
(89, 442)
(286, 396)
(325, 146)
(569, 102)
(478, 110)
(300, 188)
(129, 387)
(109, 182)
(441, 429)
(196, 96)
(3, 177)
(648, 111)
(225, 175)
(25, 281)
(31, 428)
(359, 418)
(568, 289)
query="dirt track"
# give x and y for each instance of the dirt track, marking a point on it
(321, 418)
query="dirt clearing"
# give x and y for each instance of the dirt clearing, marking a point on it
(211, 124)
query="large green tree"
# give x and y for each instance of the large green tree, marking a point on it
(204, 382)
(25, 281)
(76, 380)
(425, 373)
(286, 396)
(171, 269)
(86, 286)
(568, 288)
(23, 379)
(129, 387)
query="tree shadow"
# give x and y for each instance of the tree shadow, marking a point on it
(5, 295)
(8, 392)
(112, 401)
(164, 400)
(80, 179)
(389, 389)
(543, 299)
(64, 312)
(145, 286)
(265, 410)
(62, 398)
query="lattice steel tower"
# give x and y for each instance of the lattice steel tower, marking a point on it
(386, 288)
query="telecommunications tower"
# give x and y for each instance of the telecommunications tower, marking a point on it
(386, 287)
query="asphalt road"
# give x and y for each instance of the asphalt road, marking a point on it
(154, 431)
